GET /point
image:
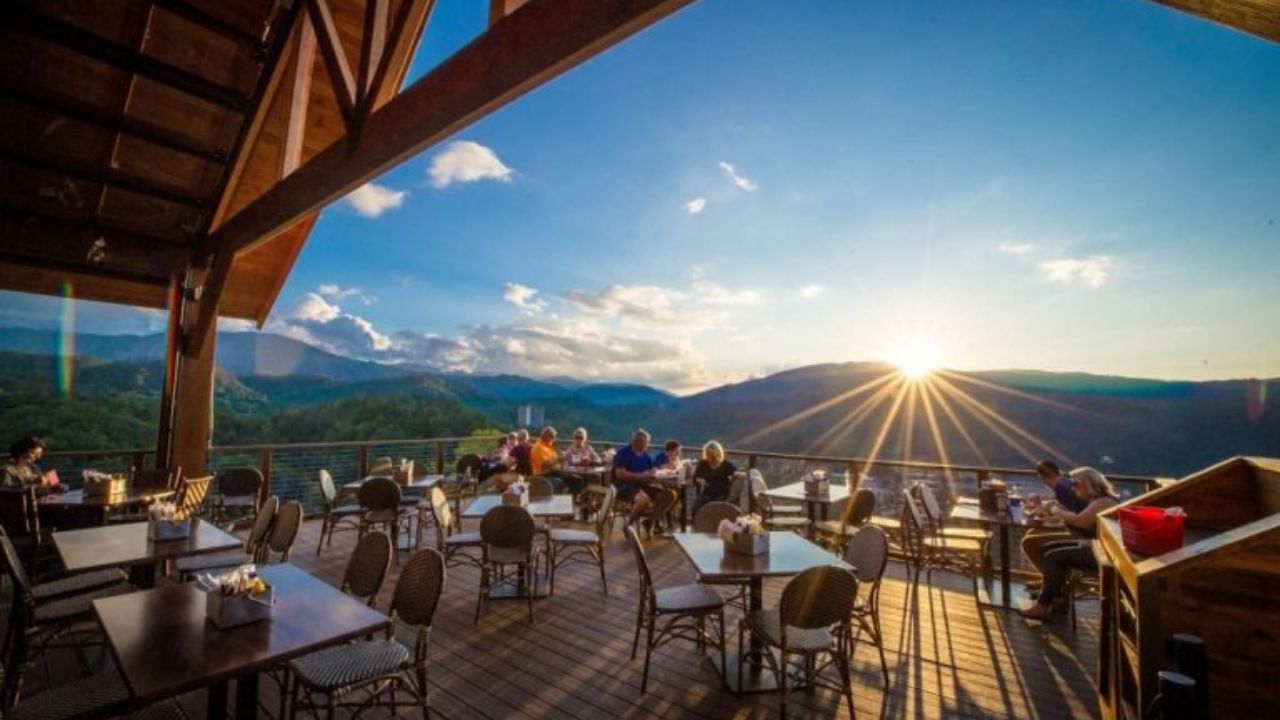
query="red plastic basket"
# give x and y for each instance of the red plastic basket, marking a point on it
(1149, 531)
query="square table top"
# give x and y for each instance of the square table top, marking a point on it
(76, 498)
(789, 554)
(974, 512)
(165, 646)
(426, 482)
(554, 506)
(795, 491)
(585, 469)
(127, 544)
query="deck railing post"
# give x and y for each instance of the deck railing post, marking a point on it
(855, 472)
(362, 460)
(439, 457)
(264, 465)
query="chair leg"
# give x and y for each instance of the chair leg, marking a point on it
(551, 568)
(324, 525)
(846, 679)
(604, 581)
(530, 571)
(724, 641)
(484, 592)
(635, 642)
(648, 653)
(782, 681)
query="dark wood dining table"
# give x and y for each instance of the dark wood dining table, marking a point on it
(92, 509)
(419, 484)
(165, 646)
(990, 594)
(127, 546)
(816, 504)
(789, 554)
(554, 506)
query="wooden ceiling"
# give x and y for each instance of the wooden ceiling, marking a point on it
(143, 138)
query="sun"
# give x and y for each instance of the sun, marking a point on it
(917, 360)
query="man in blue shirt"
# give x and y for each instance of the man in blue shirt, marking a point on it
(1037, 536)
(633, 473)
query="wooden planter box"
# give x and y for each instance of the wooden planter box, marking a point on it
(1221, 585)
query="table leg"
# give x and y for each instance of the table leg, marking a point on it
(247, 697)
(684, 508)
(1005, 590)
(216, 701)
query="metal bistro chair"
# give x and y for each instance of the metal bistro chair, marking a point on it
(937, 516)
(336, 516)
(507, 533)
(378, 664)
(929, 550)
(571, 545)
(20, 519)
(450, 540)
(856, 513)
(812, 619)
(265, 516)
(142, 481)
(239, 492)
(707, 520)
(379, 499)
(687, 607)
(191, 496)
(868, 553)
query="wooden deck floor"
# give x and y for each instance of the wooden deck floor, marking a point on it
(946, 658)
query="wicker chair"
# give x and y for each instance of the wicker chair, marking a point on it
(929, 550)
(33, 624)
(868, 552)
(367, 568)
(777, 521)
(707, 520)
(264, 516)
(379, 499)
(466, 482)
(856, 513)
(937, 516)
(541, 488)
(507, 535)
(239, 492)
(191, 496)
(284, 530)
(378, 665)
(20, 519)
(449, 538)
(686, 607)
(812, 619)
(336, 516)
(157, 479)
(567, 545)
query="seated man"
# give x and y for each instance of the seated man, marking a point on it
(633, 472)
(1038, 536)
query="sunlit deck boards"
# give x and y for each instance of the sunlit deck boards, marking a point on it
(946, 660)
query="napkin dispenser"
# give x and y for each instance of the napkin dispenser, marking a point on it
(745, 543)
(162, 530)
(816, 483)
(97, 485)
(228, 611)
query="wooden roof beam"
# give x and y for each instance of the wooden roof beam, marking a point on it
(401, 42)
(105, 177)
(87, 249)
(335, 59)
(499, 9)
(190, 12)
(86, 43)
(533, 45)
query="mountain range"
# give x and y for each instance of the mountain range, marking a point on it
(274, 387)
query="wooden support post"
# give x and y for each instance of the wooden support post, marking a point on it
(187, 403)
(439, 457)
(264, 466)
(362, 461)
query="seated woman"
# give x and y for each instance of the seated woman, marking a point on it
(580, 453)
(21, 470)
(1060, 557)
(713, 475)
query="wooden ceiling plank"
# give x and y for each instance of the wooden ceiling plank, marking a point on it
(114, 122)
(213, 24)
(104, 287)
(406, 32)
(106, 176)
(87, 247)
(532, 46)
(106, 51)
(335, 58)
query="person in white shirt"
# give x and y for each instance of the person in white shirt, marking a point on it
(580, 453)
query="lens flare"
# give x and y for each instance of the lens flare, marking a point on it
(917, 360)
(67, 340)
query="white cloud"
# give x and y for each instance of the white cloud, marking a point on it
(741, 181)
(337, 292)
(812, 292)
(466, 161)
(1016, 248)
(371, 199)
(695, 206)
(523, 297)
(318, 322)
(1093, 271)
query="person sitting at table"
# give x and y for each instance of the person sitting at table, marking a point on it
(520, 452)
(633, 474)
(713, 475)
(670, 457)
(498, 460)
(544, 459)
(1095, 491)
(22, 471)
(1038, 535)
(580, 454)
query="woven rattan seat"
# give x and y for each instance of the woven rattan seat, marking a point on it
(888, 523)
(95, 695)
(568, 545)
(953, 544)
(463, 539)
(687, 598)
(165, 710)
(68, 608)
(338, 667)
(573, 535)
(72, 584)
(768, 625)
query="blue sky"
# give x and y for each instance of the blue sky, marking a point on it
(1061, 185)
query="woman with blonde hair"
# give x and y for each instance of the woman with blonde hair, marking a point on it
(713, 475)
(1092, 488)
